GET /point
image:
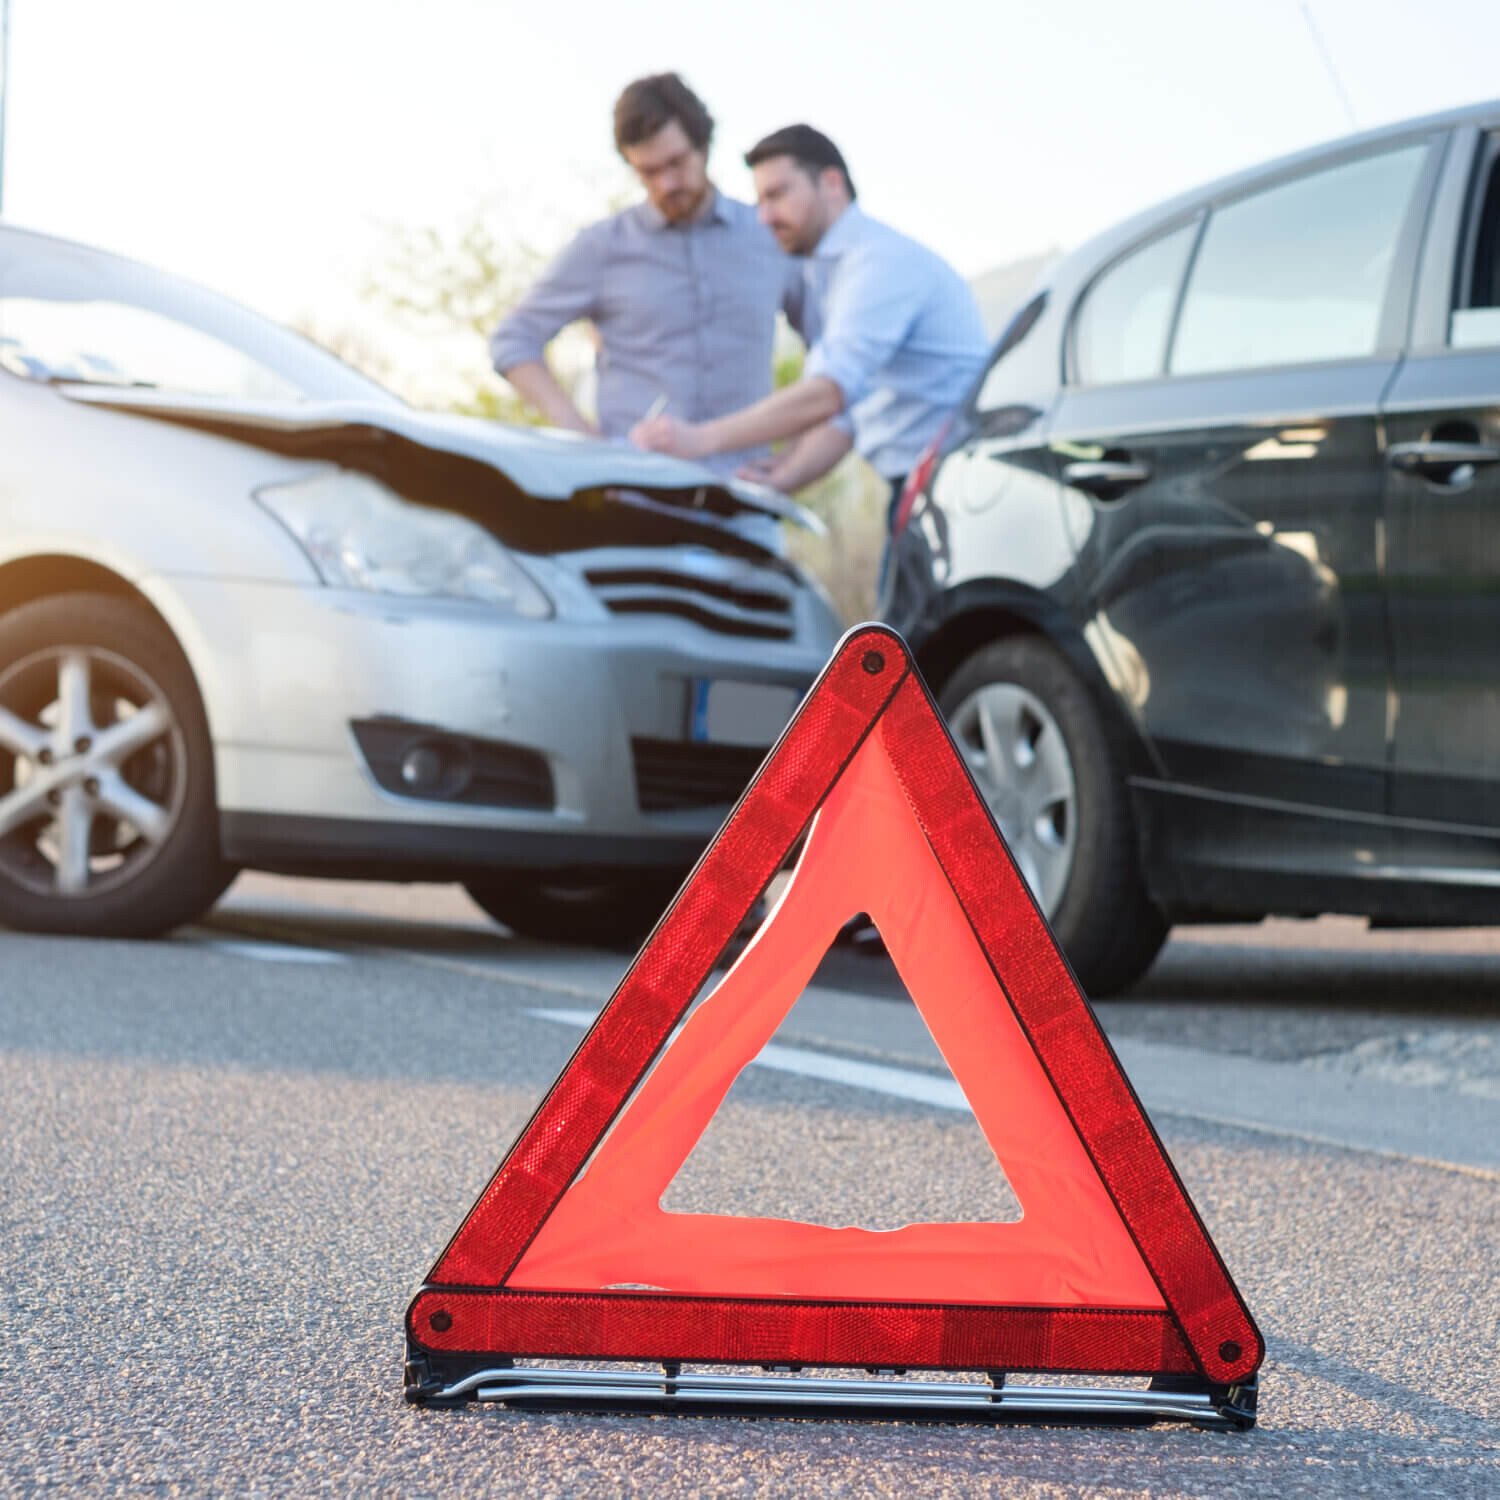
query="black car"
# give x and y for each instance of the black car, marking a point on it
(1206, 573)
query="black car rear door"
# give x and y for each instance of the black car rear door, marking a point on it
(1221, 426)
(1442, 426)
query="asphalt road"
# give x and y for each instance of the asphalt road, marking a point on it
(231, 1157)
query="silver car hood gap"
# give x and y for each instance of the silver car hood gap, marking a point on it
(455, 462)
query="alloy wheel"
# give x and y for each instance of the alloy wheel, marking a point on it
(1021, 764)
(93, 771)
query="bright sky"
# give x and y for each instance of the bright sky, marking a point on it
(259, 147)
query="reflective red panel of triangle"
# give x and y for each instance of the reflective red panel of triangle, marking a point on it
(1108, 1271)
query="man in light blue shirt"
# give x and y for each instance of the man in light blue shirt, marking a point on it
(682, 289)
(896, 337)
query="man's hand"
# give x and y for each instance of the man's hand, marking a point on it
(665, 434)
(785, 413)
(761, 471)
(801, 462)
(539, 388)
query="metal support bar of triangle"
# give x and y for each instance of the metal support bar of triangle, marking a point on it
(550, 1388)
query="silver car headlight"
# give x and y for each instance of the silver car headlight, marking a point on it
(360, 535)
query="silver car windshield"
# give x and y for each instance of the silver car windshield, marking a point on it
(71, 314)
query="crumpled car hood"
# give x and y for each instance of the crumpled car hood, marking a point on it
(546, 463)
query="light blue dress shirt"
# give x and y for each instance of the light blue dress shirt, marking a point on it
(897, 329)
(686, 311)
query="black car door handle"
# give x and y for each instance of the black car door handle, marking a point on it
(1105, 478)
(1440, 461)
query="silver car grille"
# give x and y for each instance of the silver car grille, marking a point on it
(761, 608)
(670, 775)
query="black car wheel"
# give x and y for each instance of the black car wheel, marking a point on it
(1040, 756)
(108, 824)
(611, 912)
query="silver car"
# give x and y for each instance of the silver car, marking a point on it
(255, 611)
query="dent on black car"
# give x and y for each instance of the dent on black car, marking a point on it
(1205, 571)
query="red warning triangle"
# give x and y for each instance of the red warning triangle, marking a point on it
(1109, 1270)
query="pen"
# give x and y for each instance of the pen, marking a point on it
(657, 407)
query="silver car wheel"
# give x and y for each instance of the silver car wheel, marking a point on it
(1020, 761)
(98, 771)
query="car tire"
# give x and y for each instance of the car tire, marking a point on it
(108, 821)
(612, 912)
(1061, 801)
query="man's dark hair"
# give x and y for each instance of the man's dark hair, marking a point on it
(650, 104)
(809, 148)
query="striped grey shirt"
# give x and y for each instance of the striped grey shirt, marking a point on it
(683, 310)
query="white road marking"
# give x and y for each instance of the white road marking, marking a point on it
(899, 1083)
(277, 953)
(1459, 1132)
(1278, 1099)
(1454, 1131)
(593, 976)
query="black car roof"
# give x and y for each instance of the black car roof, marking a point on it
(1100, 247)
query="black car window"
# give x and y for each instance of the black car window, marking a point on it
(1126, 315)
(1299, 272)
(1476, 321)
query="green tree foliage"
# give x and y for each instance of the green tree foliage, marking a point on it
(443, 290)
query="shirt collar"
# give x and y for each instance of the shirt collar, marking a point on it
(718, 212)
(843, 233)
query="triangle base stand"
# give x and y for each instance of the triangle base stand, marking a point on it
(784, 1391)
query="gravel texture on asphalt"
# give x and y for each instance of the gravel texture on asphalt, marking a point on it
(225, 1177)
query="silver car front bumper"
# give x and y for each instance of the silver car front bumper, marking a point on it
(287, 671)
